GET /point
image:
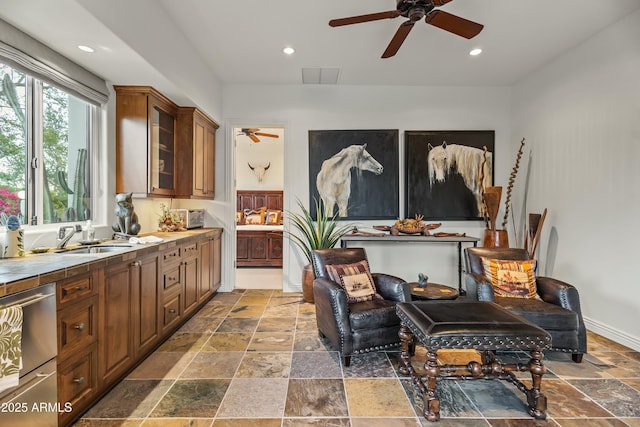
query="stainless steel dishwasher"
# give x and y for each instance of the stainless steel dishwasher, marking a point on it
(34, 402)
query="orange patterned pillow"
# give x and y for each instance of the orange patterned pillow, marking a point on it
(355, 279)
(273, 217)
(511, 278)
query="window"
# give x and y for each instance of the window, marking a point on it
(46, 138)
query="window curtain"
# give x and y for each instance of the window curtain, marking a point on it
(27, 54)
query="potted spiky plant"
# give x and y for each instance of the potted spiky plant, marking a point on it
(322, 233)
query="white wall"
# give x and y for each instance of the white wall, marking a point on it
(303, 108)
(581, 117)
(269, 151)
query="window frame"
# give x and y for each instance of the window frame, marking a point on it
(34, 155)
(24, 53)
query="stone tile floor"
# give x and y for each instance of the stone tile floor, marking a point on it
(253, 358)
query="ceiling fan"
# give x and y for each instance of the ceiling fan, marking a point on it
(415, 10)
(253, 133)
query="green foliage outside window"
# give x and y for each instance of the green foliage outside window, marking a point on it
(65, 198)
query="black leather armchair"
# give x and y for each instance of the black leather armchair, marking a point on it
(358, 327)
(558, 313)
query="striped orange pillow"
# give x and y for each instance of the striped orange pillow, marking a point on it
(511, 278)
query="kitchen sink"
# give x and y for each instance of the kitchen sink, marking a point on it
(95, 249)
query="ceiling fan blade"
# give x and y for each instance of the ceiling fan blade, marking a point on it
(437, 3)
(454, 24)
(364, 18)
(268, 135)
(398, 39)
(254, 138)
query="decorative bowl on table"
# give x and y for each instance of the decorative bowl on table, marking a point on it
(414, 225)
(410, 230)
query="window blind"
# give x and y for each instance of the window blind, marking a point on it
(27, 54)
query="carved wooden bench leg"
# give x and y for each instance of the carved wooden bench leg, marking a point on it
(536, 401)
(408, 350)
(430, 398)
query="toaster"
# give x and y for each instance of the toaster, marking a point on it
(192, 218)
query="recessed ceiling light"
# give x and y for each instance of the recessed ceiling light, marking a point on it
(288, 50)
(85, 48)
(475, 52)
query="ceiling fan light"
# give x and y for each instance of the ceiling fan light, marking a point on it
(288, 50)
(475, 51)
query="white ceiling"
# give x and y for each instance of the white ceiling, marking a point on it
(241, 42)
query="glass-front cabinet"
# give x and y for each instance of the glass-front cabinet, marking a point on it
(163, 151)
(146, 142)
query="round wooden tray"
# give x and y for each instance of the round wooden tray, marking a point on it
(433, 291)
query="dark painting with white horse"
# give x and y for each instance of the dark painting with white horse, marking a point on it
(355, 173)
(446, 171)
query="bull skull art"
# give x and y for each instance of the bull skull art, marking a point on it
(259, 170)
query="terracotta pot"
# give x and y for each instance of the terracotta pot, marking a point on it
(495, 239)
(307, 283)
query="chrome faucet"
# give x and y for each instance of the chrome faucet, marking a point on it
(63, 237)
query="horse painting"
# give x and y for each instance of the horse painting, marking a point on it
(334, 179)
(466, 161)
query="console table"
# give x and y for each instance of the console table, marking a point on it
(406, 238)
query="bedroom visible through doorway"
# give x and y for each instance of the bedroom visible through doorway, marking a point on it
(259, 173)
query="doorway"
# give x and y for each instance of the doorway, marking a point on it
(259, 188)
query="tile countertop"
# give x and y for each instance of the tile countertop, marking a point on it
(32, 270)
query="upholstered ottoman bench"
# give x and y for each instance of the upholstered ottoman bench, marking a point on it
(482, 326)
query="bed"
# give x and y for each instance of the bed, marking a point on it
(259, 228)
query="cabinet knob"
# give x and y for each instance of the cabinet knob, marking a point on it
(79, 326)
(136, 264)
(171, 279)
(79, 381)
(172, 310)
(80, 288)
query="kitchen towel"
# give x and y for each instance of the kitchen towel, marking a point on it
(145, 240)
(10, 346)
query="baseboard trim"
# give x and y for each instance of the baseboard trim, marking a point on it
(613, 334)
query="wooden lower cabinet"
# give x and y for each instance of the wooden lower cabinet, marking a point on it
(257, 248)
(77, 323)
(145, 274)
(111, 318)
(171, 311)
(210, 269)
(116, 294)
(205, 287)
(216, 260)
(129, 314)
(78, 382)
(190, 267)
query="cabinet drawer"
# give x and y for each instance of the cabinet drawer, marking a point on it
(77, 381)
(171, 255)
(171, 278)
(77, 327)
(75, 288)
(171, 311)
(190, 251)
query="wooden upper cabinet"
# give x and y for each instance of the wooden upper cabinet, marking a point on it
(146, 142)
(196, 154)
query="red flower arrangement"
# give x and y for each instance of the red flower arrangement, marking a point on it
(9, 202)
